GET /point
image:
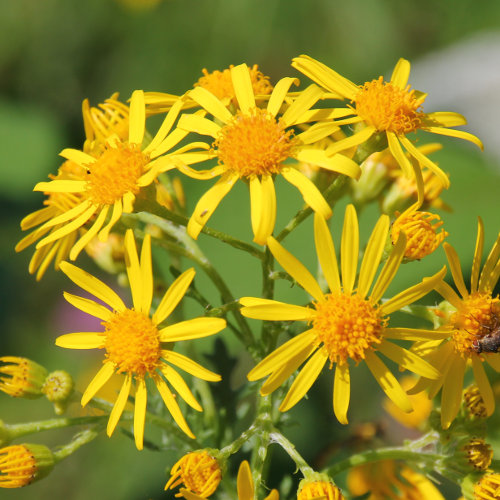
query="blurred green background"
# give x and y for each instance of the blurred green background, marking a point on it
(55, 53)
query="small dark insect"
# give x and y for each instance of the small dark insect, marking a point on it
(88, 171)
(490, 342)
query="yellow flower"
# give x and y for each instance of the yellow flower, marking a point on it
(478, 453)
(23, 464)
(244, 484)
(390, 108)
(348, 323)
(252, 144)
(421, 229)
(474, 403)
(115, 177)
(472, 331)
(198, 471)
(311, 490)
(387, 480)
(21, 377)
(488, 487)
(135, 344)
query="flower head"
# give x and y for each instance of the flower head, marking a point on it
(348, 325)
(478, 453)
(389, 108)
(198, 472)
(23, 464)
(473, 402)
(472, 330)
(487, 487)
(134, 341)
(253, 144)
(21, 377)
(309, 490)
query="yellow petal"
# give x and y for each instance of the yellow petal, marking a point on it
(478, 255)
(351, 141)
(89, 306)
(279, 311)
(141, 399)
(198, 124)
(280, 356)
(400, 74)
(190, 366)
(81, 340)
(173, 296)
(209, 102)
(137, 118)
(483, 385)
(78, 157)
(39, 217)
(267, 212)
(164, 129)
(295, 269)
(176, 136)
(390, 269)
(172, 406)
(311, 194)
(304, 380)
(415, 334)
(335, 163)
(192, 329)
(444, 119)
(456, 269)
(317, 132)
(179, 384)
(243, 89)
(115, 216)
(373, 254)
(341, 392)
(61, 186)
(66, 216)
(119, 405)
(326, 253)
(101, 377)
(388, 382)
(399, 155)
(408, 360)
(208, 203)
(452, 391)
(307, 98)
(490, 263)
(244, 482)
(256, 205)
(460, 134)
(279, 93)
(349, 249)
(133, 269)
(413, 293)
(146, 275)
(89, 235)
(448, 294)
(93, 285)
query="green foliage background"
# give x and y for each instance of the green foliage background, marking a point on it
(55, 53)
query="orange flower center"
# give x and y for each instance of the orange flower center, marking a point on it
(348, 326)
(254, 144)
(132, 342)
(475, 323)
(220, 83)
(421, 233)
(115, 173)
(198, 471)
(389, 108)
(17, 466)
(320, 489)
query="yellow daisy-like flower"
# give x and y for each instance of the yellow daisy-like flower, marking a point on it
(116, 176)
(134, 342)
(390, 108)
(252, 144)
(347, 323)
(473, 331)
(244, 484)
(388, 480)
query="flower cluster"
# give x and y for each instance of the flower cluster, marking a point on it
(236, 126)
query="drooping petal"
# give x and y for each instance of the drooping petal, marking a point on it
(326, 253)
(451, 396)
(243, 89)
(373, 254)
(93, 285)
(335, 163)
(133, 269)
(89, 306)
(141, 399)
(478, 255)
(173, 296)
(341, 392)
(398, 153)
(483, 385)
(268, 211)
(460, 134)
(146, 275)
(81, 340)
(280, 356)
(101, 377)
(192, 329)
(137, 118)
(190, 366)
(115, 216)
(401, 73)
(66, 216)
(349, 249)
(388, 382)
(179, 384)
(119, 406)
(89, 235)
(456, 269)
(304, 380)
(279, 93)
(295, 269)
(311, 194)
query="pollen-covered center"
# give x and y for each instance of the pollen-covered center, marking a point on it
(132, 342)
(254, 144)
(115, 173)
(348, 326)
(475, 323)
(389, 108)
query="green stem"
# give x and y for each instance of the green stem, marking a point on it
(77, 442)
(232, 448)
(259, 452)
(289, 447)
